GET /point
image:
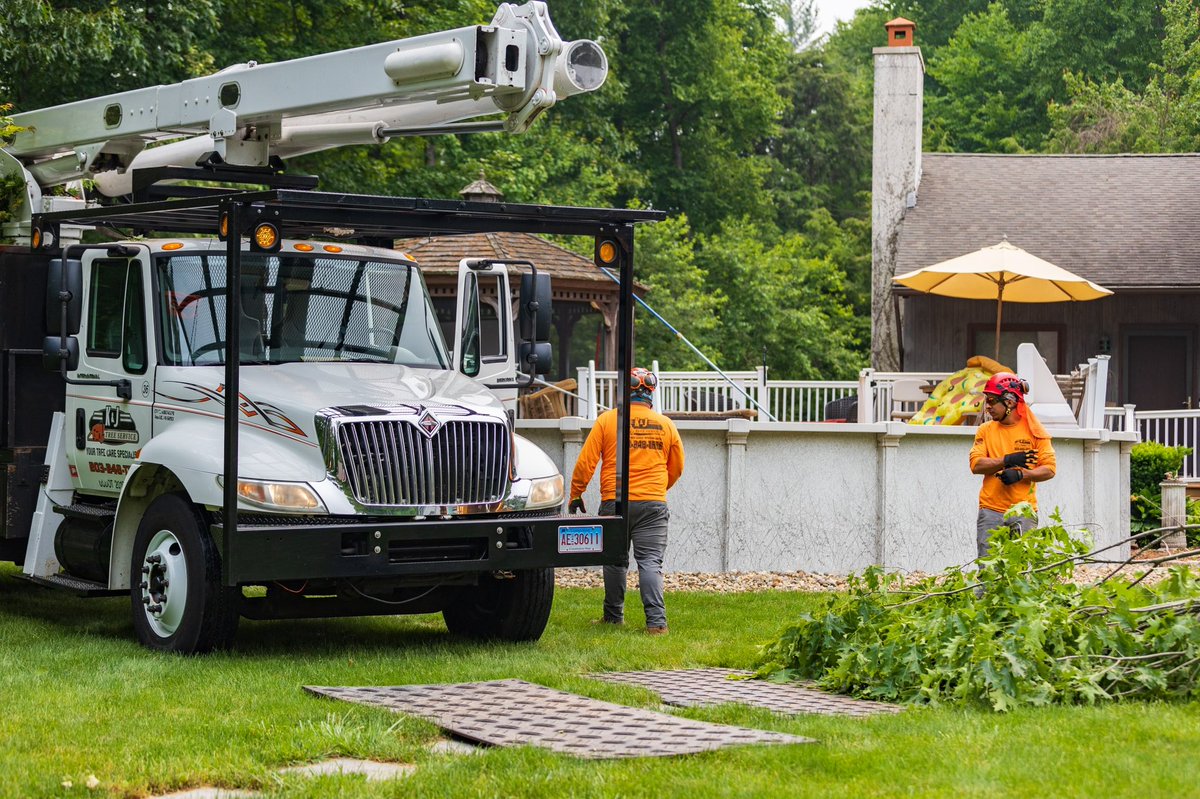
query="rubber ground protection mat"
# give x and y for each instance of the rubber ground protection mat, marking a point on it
(707, 687)
(518, 713)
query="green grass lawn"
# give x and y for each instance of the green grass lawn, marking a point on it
(80, 698)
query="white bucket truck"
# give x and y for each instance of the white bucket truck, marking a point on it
(244, 405)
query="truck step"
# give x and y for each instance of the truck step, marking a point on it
(76, 586)
(82, 510)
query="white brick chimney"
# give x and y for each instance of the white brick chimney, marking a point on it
(895, 175)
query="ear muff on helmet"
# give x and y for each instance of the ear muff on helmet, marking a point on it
(642, 380)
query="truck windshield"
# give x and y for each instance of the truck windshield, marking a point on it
(298, 309)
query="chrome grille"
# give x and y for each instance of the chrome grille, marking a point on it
(392, 462)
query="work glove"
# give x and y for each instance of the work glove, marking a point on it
(1010, 476)
(576, 506)
(1024, 458)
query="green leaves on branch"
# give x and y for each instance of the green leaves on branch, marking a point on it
(1031, 637)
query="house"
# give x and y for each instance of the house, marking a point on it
(1127, 222)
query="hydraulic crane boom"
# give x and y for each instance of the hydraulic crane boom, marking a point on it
(512, 69)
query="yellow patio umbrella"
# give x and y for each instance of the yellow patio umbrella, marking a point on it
(1002, 272)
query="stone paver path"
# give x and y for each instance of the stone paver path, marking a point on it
(373, 770)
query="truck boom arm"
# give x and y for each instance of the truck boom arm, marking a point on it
(513, 69)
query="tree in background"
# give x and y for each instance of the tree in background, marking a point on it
(56, 52)
(695, 107)
(786, 305)
(680, 292)
(1109, 117)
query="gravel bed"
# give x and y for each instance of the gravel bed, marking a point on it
(740, 582)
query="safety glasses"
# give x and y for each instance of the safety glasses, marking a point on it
(642, 379)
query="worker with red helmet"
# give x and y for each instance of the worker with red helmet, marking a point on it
(1013, 452)
(655, 463)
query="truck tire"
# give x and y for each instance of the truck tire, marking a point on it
(180, 603)
(503, 608)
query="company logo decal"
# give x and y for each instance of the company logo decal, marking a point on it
(111, 425)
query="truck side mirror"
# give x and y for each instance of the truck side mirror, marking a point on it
(536, 307)
(537, 357)
(53, 348)
(64, 287)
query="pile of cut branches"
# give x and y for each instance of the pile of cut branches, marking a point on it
(1016, 630)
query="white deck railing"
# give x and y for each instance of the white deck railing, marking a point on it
(808, 401)
(780, 400)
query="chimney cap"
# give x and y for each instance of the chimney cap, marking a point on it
(900, 32)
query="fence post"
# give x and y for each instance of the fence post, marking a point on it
(764, 398)
(866, 397)
(591, 390)
(655, 396)
(1174, 512)
(736, 435)
(1100, 398)
(1130, 419)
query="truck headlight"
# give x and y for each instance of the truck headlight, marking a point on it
(281, 496)
(546, 491)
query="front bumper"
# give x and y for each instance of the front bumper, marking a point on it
(258, 553)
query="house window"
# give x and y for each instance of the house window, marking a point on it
(1047, 339)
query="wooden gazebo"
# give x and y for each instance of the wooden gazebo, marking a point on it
(581, 292)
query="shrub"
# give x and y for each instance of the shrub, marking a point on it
(1150, 463)
(1030, 637)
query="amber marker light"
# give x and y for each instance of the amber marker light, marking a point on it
(173, 245)
(223, 226)
(608, 252)
(303, 247)
(266, 236)
(331, 248)
(35, 240)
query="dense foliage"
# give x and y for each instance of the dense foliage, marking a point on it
(756, 137)
(1017, 632)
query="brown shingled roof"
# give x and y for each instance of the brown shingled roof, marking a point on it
(440, 255)
(1125, 221)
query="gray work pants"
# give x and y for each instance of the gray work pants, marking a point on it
(989, 519)
(648, 537)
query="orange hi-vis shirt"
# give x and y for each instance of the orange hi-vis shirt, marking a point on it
(655, 455)
(995, 440)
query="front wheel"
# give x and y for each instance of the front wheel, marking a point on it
(511, 606)
(179, 601)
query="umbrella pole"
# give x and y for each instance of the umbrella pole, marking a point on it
(999, 311)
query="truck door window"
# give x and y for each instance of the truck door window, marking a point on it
(492, 345)
(470, 331)
(116, 318)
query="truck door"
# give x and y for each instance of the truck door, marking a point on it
(483, 328)
(104, 431)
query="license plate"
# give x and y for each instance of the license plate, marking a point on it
(580, 538)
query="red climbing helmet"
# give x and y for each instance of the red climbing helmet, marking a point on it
(1007, 386)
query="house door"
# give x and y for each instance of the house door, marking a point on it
(1158, 370)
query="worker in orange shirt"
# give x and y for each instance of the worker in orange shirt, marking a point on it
(1013, 453)
(655, 463)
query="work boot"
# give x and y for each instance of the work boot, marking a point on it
(656, 630)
